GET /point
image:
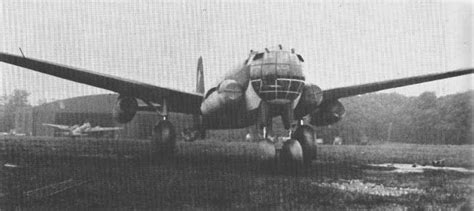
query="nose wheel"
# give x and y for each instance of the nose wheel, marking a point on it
(293, 153)
(298, 151)
(304, 134)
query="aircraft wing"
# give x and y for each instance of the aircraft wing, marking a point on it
(178, 101)
(101, 129)
(336, 93)
(61, 127)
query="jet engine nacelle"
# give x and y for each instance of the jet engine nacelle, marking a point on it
(227, 93)
(329, 112)
(125, 109)
(311, 98)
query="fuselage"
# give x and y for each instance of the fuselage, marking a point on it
(273, 76)
(78, 130)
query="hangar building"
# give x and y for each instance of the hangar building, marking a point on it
(96, 109)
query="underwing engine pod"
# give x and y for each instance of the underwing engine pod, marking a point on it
(125, 109)
(227, 93)
(329, 112)
(311, 97)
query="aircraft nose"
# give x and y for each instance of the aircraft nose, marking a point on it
(277, 76)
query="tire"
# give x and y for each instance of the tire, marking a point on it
(268, 151)
(164, 139)
(291, 156)
(305, 135)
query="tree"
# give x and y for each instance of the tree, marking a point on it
(426, 119)
(18, 100)
(427, 100)
(3, 101)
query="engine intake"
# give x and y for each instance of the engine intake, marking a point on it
(311, 98)
(125, 109)
(329, 112)
(227, 93)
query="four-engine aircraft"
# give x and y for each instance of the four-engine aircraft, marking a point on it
(81, 130)
(269, 83)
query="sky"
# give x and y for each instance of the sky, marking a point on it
(158, 42)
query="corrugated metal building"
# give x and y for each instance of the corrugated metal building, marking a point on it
(96, 109)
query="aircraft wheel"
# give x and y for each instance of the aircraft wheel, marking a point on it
(268, 155)
(164, 139)
(305, 135)
(268, 149)
(291, 156)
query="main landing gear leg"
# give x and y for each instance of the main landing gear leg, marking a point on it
(164, 136)
(305, 136)
(292, 151)
(264, 125)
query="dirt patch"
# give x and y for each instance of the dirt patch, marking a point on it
(370, 188)
(415, 168)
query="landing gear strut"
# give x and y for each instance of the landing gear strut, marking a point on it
(291, 153)
(164, 139)
(298, 151)
(164, 135)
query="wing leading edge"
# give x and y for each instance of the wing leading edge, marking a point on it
(336, 93)
(178, 101)
(61, 127)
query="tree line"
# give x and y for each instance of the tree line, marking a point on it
(425, 119)
(10, 105)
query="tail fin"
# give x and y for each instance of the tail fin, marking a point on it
(200, 77)
(197, 119)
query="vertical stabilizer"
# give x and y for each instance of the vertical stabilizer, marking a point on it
(199, 89)
(200, 77)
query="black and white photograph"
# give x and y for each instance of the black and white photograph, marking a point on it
(236, 104)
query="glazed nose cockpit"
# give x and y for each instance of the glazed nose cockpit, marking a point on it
(276, 75)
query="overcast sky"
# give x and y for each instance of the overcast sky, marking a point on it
(342, 42)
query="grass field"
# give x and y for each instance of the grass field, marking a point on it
(454, 155)
(217, 175)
